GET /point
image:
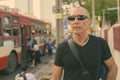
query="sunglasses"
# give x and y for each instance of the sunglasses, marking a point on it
(79, 17)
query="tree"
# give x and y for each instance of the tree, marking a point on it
(101, 5)
(111, 16)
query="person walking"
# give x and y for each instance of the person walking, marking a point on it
(29, 50)
(44, 40)
(50, 46)
(88, 50)
(36, 54)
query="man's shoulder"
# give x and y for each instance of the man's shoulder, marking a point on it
(97, 37)
(63, 45)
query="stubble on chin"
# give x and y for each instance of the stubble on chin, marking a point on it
(76, 31)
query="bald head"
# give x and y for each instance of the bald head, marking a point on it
(79, 11)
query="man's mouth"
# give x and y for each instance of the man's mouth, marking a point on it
(76, 25)
(76, 28)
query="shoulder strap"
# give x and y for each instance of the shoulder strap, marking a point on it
(76, 54)
(23, 74)
(102, 69)
(98, 69)
(74, 50)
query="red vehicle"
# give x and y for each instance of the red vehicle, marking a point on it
(18, 28)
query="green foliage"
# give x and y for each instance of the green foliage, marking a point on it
(68, 1)
(101, 5)
(111, 16)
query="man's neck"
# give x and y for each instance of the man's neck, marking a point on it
(81, 39)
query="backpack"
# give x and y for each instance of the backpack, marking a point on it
(21, 76)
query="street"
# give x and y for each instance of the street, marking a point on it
(46, 67)
(42, 69)
(9, 76)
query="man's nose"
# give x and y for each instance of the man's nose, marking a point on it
(76, 19)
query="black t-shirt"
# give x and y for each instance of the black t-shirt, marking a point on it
(88, 55)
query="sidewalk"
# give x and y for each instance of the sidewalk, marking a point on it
(45, 71)
(116, 56)
(45, 68)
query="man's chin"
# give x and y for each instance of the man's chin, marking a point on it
(77, 33)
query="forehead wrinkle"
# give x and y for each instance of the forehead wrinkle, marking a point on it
(79, 11)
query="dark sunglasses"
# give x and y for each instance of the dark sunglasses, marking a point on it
(79, 17)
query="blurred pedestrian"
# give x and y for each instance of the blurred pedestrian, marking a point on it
(44, 40)
(24, 74)
(29, 50)
(36, 54)
(50, 46)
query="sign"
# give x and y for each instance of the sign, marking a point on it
(58, 16)
(65, 24)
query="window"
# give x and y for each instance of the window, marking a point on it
(15, 19)
(7, 24)
(7, 32)
(15, 32)
(7, 20)
(28, 31)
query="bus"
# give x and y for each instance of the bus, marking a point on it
(18, 27)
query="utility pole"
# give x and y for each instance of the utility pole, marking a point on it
(59, 22)
(103, 17)
(118, 10)
(93, 13)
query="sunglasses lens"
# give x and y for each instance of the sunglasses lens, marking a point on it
(71, 18)
(81, 17)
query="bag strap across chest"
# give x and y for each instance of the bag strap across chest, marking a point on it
(76, 54)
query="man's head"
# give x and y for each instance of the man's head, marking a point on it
(79, 20)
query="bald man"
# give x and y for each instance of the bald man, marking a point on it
(88, 49)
